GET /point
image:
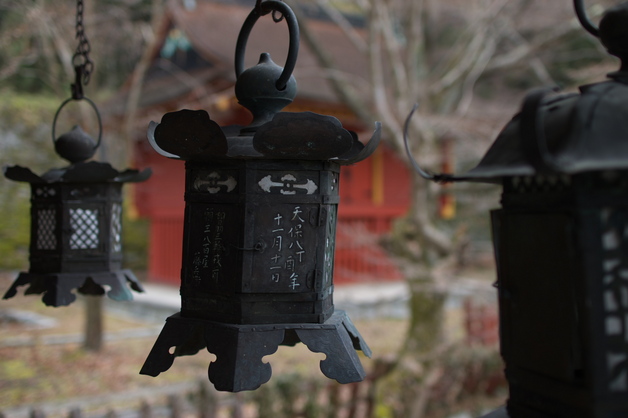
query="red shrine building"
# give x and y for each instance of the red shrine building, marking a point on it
(191, 67)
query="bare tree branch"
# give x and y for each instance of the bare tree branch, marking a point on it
(343, 90)
(343, 24)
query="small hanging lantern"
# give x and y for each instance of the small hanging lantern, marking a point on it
(561, 243)
(76, 212)
(260, 220)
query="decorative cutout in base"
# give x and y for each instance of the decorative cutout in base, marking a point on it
(239, 349)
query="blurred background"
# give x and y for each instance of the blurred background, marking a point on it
(413, 264)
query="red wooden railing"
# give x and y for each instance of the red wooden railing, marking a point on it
(164, 258)
(359, 255)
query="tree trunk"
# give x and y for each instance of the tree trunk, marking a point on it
(93, 323)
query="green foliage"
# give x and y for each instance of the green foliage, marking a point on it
(25, 123)
(16, 369)
(14, 227)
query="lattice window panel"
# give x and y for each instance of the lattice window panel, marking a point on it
(85, 229)
(116, 228)
(615, 244)
(46, 225)
(330, 245)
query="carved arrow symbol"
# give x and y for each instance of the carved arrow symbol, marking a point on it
(287, 185)
(213, 185)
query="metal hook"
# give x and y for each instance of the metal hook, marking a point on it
(77, 87)
(260, 11)
(439, 178)
(584, 18)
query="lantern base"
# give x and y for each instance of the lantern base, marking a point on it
(57, 287)
(239, 349)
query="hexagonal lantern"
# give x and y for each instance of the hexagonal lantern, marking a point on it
(561, 243)
(76, 223)
(260, 220)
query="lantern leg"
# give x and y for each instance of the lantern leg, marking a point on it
(239, 350)
(58, 288)
(179, 337)
(118, 281)
(338, 339)
(22, 280)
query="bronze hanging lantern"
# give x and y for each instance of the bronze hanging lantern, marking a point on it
(561, 243)
(260, 220)
(76, 212)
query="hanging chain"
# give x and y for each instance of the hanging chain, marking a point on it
(83, 65)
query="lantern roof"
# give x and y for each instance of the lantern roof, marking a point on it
(264, 89)
(582, 132)
(565, 133)
(83, 172)
(192, 135)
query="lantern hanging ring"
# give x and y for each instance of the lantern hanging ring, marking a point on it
(83, 67)
(584, 18)
(263, 8)
(92, 104)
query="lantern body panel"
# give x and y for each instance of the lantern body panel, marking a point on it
(76, 227)
(259, 241)
(258, 257)
(561, 248)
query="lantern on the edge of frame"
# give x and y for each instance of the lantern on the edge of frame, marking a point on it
(259, 234)
(561, 243)
(76, 214)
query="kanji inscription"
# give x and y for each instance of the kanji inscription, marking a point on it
(290, 258)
